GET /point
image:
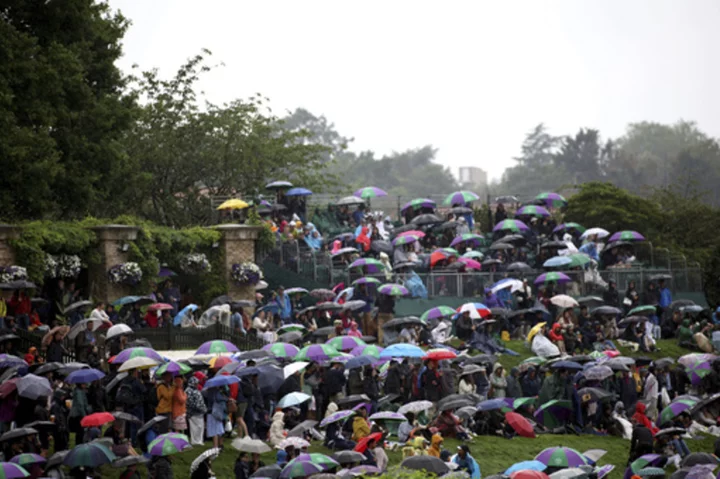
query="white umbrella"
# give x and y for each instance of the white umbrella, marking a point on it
(261, 285)
(293, 399)
(138, 363)
(564, 301)
(415, 406)
(118, 330)
(253, 446)
(569, 473)
(296, 442)
(292, 368)
(348, 291)
(513, 284)
(82, 325)
(208, 455)
(470, 308)
(597, 232)
(33, 387)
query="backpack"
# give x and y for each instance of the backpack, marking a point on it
(125, 397)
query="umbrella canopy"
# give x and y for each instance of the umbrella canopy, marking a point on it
(437, 312)
(473, 238)
(233, 204)
(282, 350)
(366, 280)
(27, 459)
(174, 368)
(402, 350)
(139, 352)
(84, 376)
(552, 277)
(516, 226)
(392, 289)
(597, 232)
(533, 210)
(90, 455)
(97, 419)
(345, 343)
(207, 455)
(336, 417)
(217, 346)
(370, 192)
(270, 472)
(222, 380)
(371, 265)
(626, 235)
(532, 465)
(59, 331)
(594, 394)
(519, 424)
(460, 198)
(569, 227)
(698, 371)
(430, 464)
(697, 458)
(561, 457)
(387, 416)
(298, 192)
(438, 354)
(317, 353)
(118, 330)
(350, 201)
(82, 326)
(597, 373)
(348, 457)
(564, 301)
(168, 444)
(491, 404)
(418, 203)
(138, 363)
(278, 185)
(646, 460)
(296, 468)
(293, 399)
(252, 446)
(415, 407)
(554, 413)
(551, 200)
(33, 387)
(674, 409)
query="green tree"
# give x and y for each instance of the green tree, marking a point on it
(583, 156)
(63, 109)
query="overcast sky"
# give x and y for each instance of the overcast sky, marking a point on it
(469, 77)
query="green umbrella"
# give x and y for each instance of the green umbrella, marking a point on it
(174, 368)
(554, 413)
(578, 259)
(437, 312)
(366, 280)
(343, 343)
(535, 361)
(676, 408)
(450, 251)
(554, 200)
(168, 444)
(474, 255)
(460, 198)
(575, 226)
(403, 240)
(317, 352)
(515, 403)
(646, 309)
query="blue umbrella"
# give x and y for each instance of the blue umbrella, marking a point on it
(178, 317)
(491, 405)
(251, 371)
(221, 380)
(360, 361)
(84, 376)
(526, 466)
(125, 300)
(273, 308)
(557, 261)
(567, 365)
(298, 192)
(402, 351)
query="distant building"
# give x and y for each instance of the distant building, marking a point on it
(475, 179)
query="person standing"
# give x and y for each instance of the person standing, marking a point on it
(284, 305)
(80, 409)
(386, 311)
(164, 392)
(195, 412)
(179, 406)
(651, 392)
(334, 382)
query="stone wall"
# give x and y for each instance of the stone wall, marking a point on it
(112, 240)
(7, 254)
(238, 246)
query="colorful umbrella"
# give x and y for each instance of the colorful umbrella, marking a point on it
(467, 237)
(298, 192)
(511, 225)
(366, 280)
(233, 204)
(674, 409)
(371, 350)
(278, 185)
(335, 417)
(693, 358)
(554, 413)
(138, 363)
(217, 346)
(532, 210)
(605, 470)
(176, 369)
(12, 470)
(160, 307)
(131, 353)
(551, 200)
(438, 354)
(371, 265)
(514, 403)
(626, 235)
(460, 198)
(97, 419)
(698, 371)
(561, 457)
(392, 289)
(224, 380)
(345, 343)
(92, 455)
(525, 466)
(437, 312)
(402, 350)
(578, 259)
(317, 353)
(418, 203)
(218, 362)
(597, 373)
(476, 310)
(168, 444)
(84, 376)
(646, 460)
(529, 474)
(282, 350)
(297, 468)
(26, 459)
(569, 226)
(387, 416)
(369, 192)
(406, 239)
(552, 277)
(362, 444)
(470, 263)
(474, 255)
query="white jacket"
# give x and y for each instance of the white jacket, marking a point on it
(277, 428)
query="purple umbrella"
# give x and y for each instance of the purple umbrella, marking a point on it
(511, 225)
(217, 346)
(561, 457)
(393, 290)
(130, 353)
(12, 470)
(605, 470)
(370, 265)
(84, 376)
(369, 192)
(282, 350)
(166, 273)
(557, 277)
(387, 416)
(646, 460)
(626, 235)
(366, 405)
(419, 203)
(335, 417)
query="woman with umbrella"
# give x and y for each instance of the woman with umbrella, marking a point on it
(218, 414)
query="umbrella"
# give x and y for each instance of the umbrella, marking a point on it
(290, 337)
(626, 235)
(404, 240)
(532, 210)
(345, 343)
(366, 280)
(61, 330)
(391, 289)
(532, 465)
(350, 200)
(160, 307)
(438, 354)
(317, 353)
(123, 416)
(693, 358)
(115, 381)
(554, 413)
(118, 330)
(217, 346)
(457, 403)
(168, 444)
(77, 305)
(296, 442)
(511, 283)
(572, 473)
(130, 461)
(519, 267)
(564, 301)
(96, 420)
(293, 399)
(278, 185)
(348, 457)
(33, 387)
(91, 455)
(551, 200)
(567, 365)
(354, 305)
(362, 444)
(671, 431)
(387, 416)
(281, 350)
(399, 323)
(302, 428)
(138, 363)
(418, 203)
(606, 311)
(696, 458)
(221, 380)
(11, 470)
(491, 405)
(67, 368)
(218, 362)
(8, 387)
(298, 192)
(253, 446)
(270, 472)
(430, 464)
(232, 204)
(173, 368)
(698, 407)
(467, 238)
(82, 325)
(469, 263)
(402, 350)
(26, 459)
(292, 368)
(84, 376)
(553, 277)
(597, 232)
(569, 226)
(460, 198)
(343, 251)
(646, 460)
(207, 455)
(674, 409)
(521, 425)
(296, 468)
(528, 474)
(370, 350)
(511, 225)
(372, 265)
(140, 352)
(645, 309)
(476, 310)
(698, 371)
(18, 433)
(415, 407)
(597, 373)
(557, 262)
(651, 471)
(561, 457)
(369, 192)
(593, 394)
(437, 312)
(335, 417)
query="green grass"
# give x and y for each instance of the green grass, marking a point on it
(493, 454)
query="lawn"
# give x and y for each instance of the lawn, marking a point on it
(493, 454)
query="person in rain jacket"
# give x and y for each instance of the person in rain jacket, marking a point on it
(283, 302)
(435, 445)
(685, 334)
(466, 462)
(491, 299)
(360, 426)
(277, 428)
(641, 418)
(513, 384)
(498, 382)
(530, 383)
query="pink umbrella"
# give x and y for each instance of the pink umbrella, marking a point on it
(159, 307)
(470, 263)
(417, 233)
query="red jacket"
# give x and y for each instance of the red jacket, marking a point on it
(556, 333)
(641, 418)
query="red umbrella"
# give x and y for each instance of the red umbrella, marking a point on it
(529, 474)
(96, 420)
(363, 443)
(159, 307)
(521, 425)
(439, 354)
(8, 387)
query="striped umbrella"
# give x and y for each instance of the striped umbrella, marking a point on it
(474, 255)
(554, 413)
(140, 352)
(551, 200)
(371, 350)
(367, 280)
(317, 352)
(282, 350)
(335, 417)
(626, 235)
(418, 203)
(473, 238)
(460, 198)
(345, 343)
(569, 226)
(561, 457)
(698, 371)
(403, 240)
(92, 455)
(646, 460)
(297, 468)
(437, 312)
(173, 368)
(516, 226)
(217, 346)
(532, 210)
(27, 459)
(392, 289)
(369, 192)
(552, 277)
(515, 403)
(10, 470)
(370, 265)
(578, 259)
(169, 444)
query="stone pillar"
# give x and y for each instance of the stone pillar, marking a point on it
(113, 246)
(7, 253)
(238, 246)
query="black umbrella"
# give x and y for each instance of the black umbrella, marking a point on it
(56, 459)
(491, 262)
(680, 473)
(643, 360)
(382, 246)
(461, 210)
(242, 303)
(8, 337)
(594, 394)
(500, 246)
(348, 457)
(426, 463)
(329, 306)
(10, 373)
(446, 226)
(123, 416)
(21, 284)
(290, 337)
(352, 400)
(71, 367)
(606, 310)
(469, 399)
(130, 461)
(513, 238)
(553, 244)
(679, 303)
(663, 362)
(506, 200)
(47, 368)
(350, 200)
(403, 229)
(671, 431)
(692, 459)
(300, 429)
(42, 425)
(658, 277)
(326, 331)
(454, 404)
(272, 472)
(705, 403)
(519, 267)
(140, 343)
(499, 312)
(387, 399)
(632, 319)
(270, 379)
(254, 354)
(405, 264)
(518, 313)
(427, 219)
(18, 433)
(402, 322)
(152, 422)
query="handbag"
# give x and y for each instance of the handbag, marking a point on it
(232, 406)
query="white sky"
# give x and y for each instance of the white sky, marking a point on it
(469, 77)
